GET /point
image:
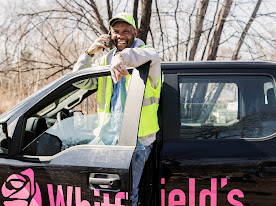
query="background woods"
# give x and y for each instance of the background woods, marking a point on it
(41, 40)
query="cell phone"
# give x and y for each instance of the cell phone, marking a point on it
(110, 40)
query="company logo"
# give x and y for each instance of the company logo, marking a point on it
(21, 189)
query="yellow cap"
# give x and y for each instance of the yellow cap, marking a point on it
(123, 17)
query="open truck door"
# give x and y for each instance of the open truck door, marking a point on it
(53, 156)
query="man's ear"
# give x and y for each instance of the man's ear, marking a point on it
(136, 33)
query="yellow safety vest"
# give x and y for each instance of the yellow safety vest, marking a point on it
(148, 120)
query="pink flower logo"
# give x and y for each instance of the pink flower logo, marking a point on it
(21, 189)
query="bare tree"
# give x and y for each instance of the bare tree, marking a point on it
(177, 31)
(201, 11)
(189, 31)
(241, 40)
(145, 20)
(213, 49)
(210, 30)
(98, 16)
(42, 42)
(109, 8)
(161, 30)
(135, 11)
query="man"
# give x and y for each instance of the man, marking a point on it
(132, 52)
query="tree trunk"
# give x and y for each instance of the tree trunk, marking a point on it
(177, 31)
(161, 30)
(224, 11)
(145, 20)
(189, 31)
(109, 9)
(252, 18)
(210, 30)
(135, 10)
(201, 11)
(99, 19)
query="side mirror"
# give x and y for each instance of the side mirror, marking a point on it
(45, 145)
(4, 143)
(48, 145)
(4, 129)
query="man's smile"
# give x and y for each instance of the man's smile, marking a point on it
(122, 41)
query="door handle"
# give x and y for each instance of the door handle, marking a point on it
(268, 170)
(104, 181)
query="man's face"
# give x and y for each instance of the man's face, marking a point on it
(122, 35)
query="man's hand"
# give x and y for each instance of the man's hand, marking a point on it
(99, 43)
(117, 69)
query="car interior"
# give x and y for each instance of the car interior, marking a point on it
(69, 103)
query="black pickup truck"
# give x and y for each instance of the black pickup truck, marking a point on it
(216, 145)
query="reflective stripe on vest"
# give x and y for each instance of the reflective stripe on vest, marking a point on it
(148, 120)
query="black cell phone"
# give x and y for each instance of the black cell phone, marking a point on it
(110, 40)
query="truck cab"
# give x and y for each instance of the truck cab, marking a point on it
(216, 144)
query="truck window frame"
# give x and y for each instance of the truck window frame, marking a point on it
(171, 96)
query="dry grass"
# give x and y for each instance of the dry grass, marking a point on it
(8, 100)
(16, 87)
(11, 98)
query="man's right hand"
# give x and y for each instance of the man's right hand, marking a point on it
(98, 44)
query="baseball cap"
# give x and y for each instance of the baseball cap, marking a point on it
(123, 17)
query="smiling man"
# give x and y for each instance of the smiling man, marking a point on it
(123, 35)
(132, 52)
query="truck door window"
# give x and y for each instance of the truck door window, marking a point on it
(233, 107)
(69, 120)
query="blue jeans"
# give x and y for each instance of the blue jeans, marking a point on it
(139, 159)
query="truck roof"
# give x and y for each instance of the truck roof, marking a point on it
(218, 65)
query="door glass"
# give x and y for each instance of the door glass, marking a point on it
(75, 118)
(214, 107)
